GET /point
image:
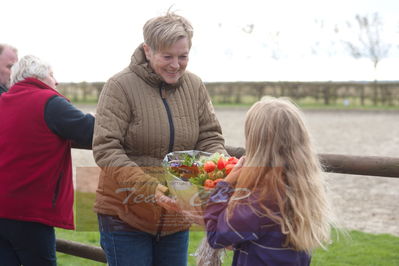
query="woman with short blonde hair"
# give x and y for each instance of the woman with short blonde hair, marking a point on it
(149, 109)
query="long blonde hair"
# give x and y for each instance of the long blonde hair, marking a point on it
(283, 169)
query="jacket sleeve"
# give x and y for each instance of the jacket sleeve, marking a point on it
(112, 120)
(242, 226)
(68, 122)
(210, 137)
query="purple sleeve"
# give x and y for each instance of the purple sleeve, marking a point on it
(244, 224)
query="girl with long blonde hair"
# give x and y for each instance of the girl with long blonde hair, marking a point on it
(272, 208)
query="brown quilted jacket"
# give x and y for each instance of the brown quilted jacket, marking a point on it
(139, 120)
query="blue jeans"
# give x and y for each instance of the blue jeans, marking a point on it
(137, 248)
(27, 243)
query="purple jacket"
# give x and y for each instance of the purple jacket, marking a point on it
(256, 240)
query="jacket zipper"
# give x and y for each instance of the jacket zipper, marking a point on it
(170, 149)
(57, 189)
(171, 125)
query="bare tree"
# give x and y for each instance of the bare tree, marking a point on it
(368, 43)
(325, 43)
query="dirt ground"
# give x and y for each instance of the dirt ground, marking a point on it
(365, 203)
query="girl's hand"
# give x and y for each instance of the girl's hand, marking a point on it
(234, 174)
(240, 162)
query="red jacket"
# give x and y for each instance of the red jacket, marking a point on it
(35, 163)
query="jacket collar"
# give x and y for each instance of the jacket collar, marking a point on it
(31, 83)
(142, 68)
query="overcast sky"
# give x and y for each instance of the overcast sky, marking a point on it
(90, 40)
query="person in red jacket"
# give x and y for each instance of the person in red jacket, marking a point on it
(38, 126)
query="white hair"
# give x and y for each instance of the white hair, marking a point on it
(29, 66)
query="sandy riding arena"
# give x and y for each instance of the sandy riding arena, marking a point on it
(369, 204)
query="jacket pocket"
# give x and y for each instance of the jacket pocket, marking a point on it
(57, 189)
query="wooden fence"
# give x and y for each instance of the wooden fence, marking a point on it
(347, 93)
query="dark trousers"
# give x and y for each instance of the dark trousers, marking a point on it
(26, 243)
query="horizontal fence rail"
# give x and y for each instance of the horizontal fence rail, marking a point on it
(361, 165)
(348, 164)
(81, 250)
(334, 163)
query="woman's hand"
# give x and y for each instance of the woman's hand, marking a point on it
(234, 174)
(163, 200)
